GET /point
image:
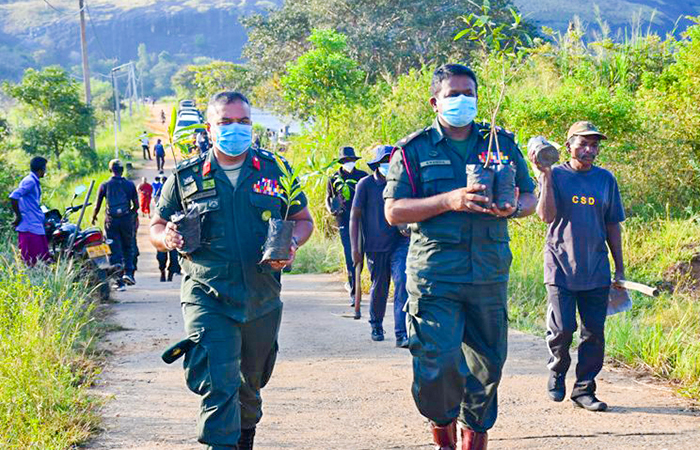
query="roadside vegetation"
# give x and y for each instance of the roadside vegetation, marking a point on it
(49, 318)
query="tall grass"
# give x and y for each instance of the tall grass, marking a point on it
(45, 317)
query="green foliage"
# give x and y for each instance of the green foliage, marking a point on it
(45, 314)
(386, 37)
(56, 117)
(202, 81)
(322, 78)
(289, 184)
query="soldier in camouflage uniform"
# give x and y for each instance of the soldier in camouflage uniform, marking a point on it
(230, 302)
(458, 261)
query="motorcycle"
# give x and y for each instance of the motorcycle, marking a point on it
(89, 246)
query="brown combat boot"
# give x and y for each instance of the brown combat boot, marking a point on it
(472, 440)
(445, 437)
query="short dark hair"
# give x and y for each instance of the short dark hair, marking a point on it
(446, 71)
(227, 97)
(37, 163)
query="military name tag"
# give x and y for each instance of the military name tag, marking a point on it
(188, 180)
(203, 194)
(436, 162)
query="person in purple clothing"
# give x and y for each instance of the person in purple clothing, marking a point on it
(581, 203)
(385, 247)
(29, 218)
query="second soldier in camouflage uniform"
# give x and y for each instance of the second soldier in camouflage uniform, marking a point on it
(230, 303)
(458, 260)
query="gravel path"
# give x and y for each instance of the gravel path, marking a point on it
(333, 388)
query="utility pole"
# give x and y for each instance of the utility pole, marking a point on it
(86, 68)
(117, 119)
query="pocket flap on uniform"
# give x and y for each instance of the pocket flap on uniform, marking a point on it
(441, 232)
(265, 201)
(437, 172)
(499, 233)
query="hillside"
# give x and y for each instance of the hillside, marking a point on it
(43, 32)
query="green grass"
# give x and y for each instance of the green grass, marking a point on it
(45, 325)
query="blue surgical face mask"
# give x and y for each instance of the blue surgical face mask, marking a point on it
(384, 169)
(458, 111)
(234, 139)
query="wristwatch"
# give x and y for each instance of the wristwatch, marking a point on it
(515, 213)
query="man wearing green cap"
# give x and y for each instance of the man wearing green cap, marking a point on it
(458, 260)
(582, 205)
(230, 298)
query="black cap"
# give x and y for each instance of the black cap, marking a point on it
(347, 153)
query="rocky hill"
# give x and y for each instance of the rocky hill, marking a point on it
(42, 32)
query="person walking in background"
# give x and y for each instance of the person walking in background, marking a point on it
(157, 185)
(29, 218)
(202, 142)
(122, 205)
(340, 192)
(159, 150)
(145, 146)
(385, 246)
(168, 264)
(582, 205)
(145, 191)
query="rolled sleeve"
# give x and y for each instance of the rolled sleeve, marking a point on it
(303, 202)
(25, 186)
(169, 201)
(398, 181)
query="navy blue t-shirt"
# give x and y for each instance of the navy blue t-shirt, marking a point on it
(576, 252)
(379, 236)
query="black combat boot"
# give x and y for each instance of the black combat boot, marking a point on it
(170, 276)
(162, 276)
(245, 442)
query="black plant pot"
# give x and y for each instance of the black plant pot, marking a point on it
(279, 240)
(478, 174)
(504, 186)
(189, 226)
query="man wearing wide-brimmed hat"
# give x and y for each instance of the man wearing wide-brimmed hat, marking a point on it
(385, 246)
(582, 205)
(340, 193)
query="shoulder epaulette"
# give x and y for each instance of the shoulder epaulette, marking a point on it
(184, 164)
(266, 154)
(403, 142)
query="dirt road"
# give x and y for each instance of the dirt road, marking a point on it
(333, 388)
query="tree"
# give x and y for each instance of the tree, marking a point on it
(203, 81)
(322, 78)
(387, 37)
(57, 118)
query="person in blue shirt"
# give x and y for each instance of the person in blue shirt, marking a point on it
(29, 218)
(385, 247)
(159, 150)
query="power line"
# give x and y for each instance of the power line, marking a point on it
(94, 32)
(63, 13)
